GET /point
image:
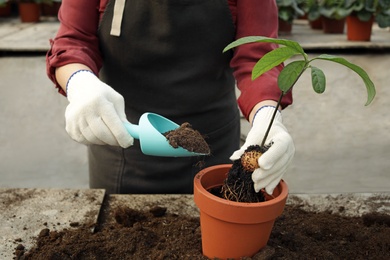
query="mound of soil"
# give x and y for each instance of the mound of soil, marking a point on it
(157, 234)
(188, 138)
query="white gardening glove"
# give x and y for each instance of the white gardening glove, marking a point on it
(273, 163)
(96, 112)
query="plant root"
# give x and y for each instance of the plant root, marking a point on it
(238, 186)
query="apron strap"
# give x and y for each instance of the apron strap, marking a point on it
(119, 8)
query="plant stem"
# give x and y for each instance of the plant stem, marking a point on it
(272, 119)
(279, 101)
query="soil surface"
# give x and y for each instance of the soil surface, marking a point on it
(157, 234)
(188, 138)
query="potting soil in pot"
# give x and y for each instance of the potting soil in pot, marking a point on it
(157, 234)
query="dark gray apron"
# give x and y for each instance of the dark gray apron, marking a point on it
(168, 60)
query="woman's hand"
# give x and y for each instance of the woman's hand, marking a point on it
(96, 112)
(273, 163)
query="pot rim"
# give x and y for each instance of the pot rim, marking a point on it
(198, 180)
(249, 212)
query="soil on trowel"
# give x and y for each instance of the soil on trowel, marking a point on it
(188, 138)
(158, 234)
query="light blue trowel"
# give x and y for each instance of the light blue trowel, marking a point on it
(150, 131)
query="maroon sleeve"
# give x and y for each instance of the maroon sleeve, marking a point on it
(255, 18)
(76, 40)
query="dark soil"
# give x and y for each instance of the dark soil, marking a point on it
(157, 234)
(188, 138)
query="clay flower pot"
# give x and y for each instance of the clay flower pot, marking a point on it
(358, 30)
(29, 12)
(333, 26)
(231, 230)
(284, 27)
(316, 24)
(50, 9)
(5, 9)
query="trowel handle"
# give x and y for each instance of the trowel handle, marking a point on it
(132, 129)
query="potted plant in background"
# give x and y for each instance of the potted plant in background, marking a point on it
(230, 229)
(302, 5)
(360, 20)
(311, 8)
(288, 11)
(333, 13)
(29, 10)
(5, 8)
(382, 14)
(362, 15)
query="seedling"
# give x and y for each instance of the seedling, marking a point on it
(291, 73)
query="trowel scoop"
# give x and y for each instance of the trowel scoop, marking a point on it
(150, 130)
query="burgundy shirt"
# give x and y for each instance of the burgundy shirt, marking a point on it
(76, 42)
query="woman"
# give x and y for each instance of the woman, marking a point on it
(116, 60)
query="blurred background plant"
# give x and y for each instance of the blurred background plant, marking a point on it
(333, 9)
(289, 10)
(366, 9)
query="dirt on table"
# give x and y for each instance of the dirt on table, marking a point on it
(188, 138)
(157, 234)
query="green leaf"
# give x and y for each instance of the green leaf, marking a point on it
(364, 16)
(290, 74)
(271, 60)
(318, 80)
(366, 79)
(383, 19)
(252, 39)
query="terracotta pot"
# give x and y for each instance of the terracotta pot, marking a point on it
(284, 28)
(303, 17)
(359, 30)
(51, 9)
(232, 230)
(316, 24)
(5, 10)
(333, 26)
(29, 12)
